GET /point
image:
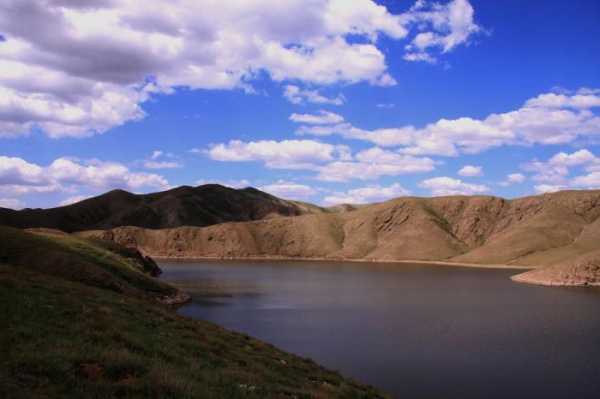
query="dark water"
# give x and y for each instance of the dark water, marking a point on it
(413, 331)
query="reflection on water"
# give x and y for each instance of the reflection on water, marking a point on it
(415, 331)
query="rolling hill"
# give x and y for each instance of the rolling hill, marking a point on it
(219, 222)
(531, 231)
(182, 206)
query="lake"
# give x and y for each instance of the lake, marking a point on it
(414, 331)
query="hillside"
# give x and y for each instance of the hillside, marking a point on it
(87, 261)
(583, 270)
(83, 319)
(183, 206)
(532, 231)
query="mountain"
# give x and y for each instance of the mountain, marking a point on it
(183, 206)
(532, 231)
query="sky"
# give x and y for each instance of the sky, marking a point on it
(325, 101)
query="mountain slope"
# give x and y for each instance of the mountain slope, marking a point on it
(583, 270)
(534, 231)
(81, 319)
(182, 206)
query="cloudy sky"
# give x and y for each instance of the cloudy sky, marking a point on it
(326, 101)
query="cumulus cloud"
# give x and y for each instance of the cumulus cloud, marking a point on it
(534, 123)
(439, 186)
(549, 188)
(321, 118)
(19, 177)
(86, 69)
(285, 154)
(386, 137)
(289, 190)
(470, 170)
(374, 163)
(451, 25)
(556, 169)
(513, 178)
(581, 99)
(332, 162)
(555, 173)
(366, 195)
(161, 160)
(296, 95)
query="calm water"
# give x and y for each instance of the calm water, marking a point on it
(413, 331)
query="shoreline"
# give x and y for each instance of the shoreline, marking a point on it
(553, 283)
(320, 259)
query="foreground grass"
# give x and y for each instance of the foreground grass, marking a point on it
(74, 325)
(86, 261)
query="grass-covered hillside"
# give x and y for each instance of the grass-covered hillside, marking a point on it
(80, 321)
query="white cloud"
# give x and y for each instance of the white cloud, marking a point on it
(87, 67)
(11, 203)
(161, 160)
(548, 188)
(554, 174)
(439, 186)
(321, 118)
(470, 170)
(162, 165)
(582, 99)
(451, 25)
(285, 154)
(296, 95)
(156, 154)
(513, 178)
(588, 181)
(382, 137)
(374, 163)
(528, 125)
(557, 168)
(289, 190)
(19, 177)
(365, 195)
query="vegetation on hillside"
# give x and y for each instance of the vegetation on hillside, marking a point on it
(78, 321)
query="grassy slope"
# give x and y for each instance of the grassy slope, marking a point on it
(78, 259)
(74, 337)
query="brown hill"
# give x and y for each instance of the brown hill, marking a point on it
(183, 206)
(584, 270)
(532, 231)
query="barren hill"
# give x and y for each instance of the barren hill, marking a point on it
(183, 206)
(535, 231)
(584, 270)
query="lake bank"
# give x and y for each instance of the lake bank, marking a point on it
(186, 259)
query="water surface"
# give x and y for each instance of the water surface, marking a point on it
(414, 331)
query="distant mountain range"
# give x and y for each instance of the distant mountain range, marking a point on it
(220, 222)
(183, 206)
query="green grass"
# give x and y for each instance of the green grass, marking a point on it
(78, 259)
(66, 337)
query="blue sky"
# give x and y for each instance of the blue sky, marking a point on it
(325, 101)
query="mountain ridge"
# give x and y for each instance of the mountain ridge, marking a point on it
(184, 205)
(532, 231)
